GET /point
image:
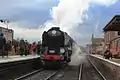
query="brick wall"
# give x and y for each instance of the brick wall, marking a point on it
(110, 35)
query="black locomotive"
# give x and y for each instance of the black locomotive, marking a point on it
(56, 48)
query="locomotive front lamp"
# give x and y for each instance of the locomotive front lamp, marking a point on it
(53, 32)
(62, 50)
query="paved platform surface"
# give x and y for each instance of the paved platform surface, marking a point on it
(17, 58)
(113, 60)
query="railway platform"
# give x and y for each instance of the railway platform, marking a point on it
(14, 58)
(107, 65)
(13, 66)
(113, 60)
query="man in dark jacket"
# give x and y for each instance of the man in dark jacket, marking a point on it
(39, 48)
(22, 47)
(108, 54)
(8, 47)
(2, 44)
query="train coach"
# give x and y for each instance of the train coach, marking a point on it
(56, 48)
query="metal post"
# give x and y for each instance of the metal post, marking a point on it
(7, 31)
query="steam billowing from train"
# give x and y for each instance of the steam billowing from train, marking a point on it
(68, 14)
(76, 58)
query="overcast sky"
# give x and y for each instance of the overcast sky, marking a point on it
(80, 18)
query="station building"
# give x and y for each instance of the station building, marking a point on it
(8, 33)
(97, 45)
(112, 35)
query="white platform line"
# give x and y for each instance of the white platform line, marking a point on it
(114, 63)
(10, 59)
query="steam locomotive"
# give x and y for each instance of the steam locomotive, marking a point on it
(56, 48)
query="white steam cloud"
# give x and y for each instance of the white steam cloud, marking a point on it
(67, 15)
(105, 2)
(76, 58)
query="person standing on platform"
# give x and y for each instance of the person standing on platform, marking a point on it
(22, 47)
(15, 46)
(30, 48)
(8, 47)
(38, 48)
(34, 48)
(26, 48)
(2, 45)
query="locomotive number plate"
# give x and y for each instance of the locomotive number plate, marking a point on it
(51, 51)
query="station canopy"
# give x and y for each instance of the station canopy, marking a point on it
(113, 25)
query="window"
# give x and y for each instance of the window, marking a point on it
(118, 32)
(118, 19)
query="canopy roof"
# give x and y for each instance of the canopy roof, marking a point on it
(113, 25)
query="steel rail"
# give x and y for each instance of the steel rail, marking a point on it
(51, 76)
(103, 77)
(29, 74)
(80, 72)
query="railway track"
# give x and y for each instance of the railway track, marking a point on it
(91, 73)
(102, 76)
(80, 72)
(28, 75)
(40, 74)
(9, 71)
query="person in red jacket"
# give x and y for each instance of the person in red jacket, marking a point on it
(33, 48)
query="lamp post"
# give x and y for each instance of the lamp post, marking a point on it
(6, 23)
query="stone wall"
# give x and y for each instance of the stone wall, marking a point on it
(109, 69)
